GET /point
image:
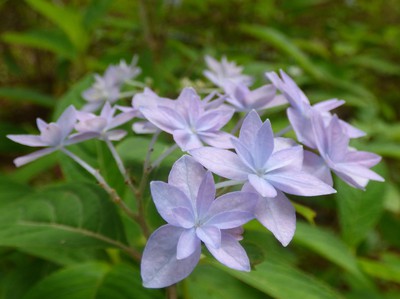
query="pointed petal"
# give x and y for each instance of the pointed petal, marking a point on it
(315, 165)
(222, 162)
(210, 235)
(301, 124)
(183, 217)
(299, 183)
(186, 140)
(244, 154)
(260, 97)
(251, 124)
(167, 198)
(160, 267)
(33, 156)
(187, 175)
(232, 210)
(264, 146)
(79, 137)
(144, 127)
(328, 105)
(188, 244)
(320, 134)
(206, 195)
(217, 139)
(355, 170)
(290, 157)
(29, 140)
(366, 159)
(231, 253)
(164, 118)
(41, 124)
(338, 141)
(67, 121)
(262, 186)
(351, 131)
(116, 135)
(120, 119)
(278, 216)
(214, 119)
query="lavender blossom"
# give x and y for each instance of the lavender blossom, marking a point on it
(350, 165)
(102, 126)
(188, 120)
(187, 204)
(257, 163)
(245, 100)
(299, 113)
(53, 136)
(219, 72)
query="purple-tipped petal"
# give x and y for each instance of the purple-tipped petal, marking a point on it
(167, 198)
(231, 253)
(222, 162)
(33, 156)
(188, 243)
(299, 183)
(262, 186)
(160, 267)
(187, 175)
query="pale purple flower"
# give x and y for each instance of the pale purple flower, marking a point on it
(53, 136)
(277, 214)
(188, 120)
(219, 72)
(245, 100)
(299, 113)
(187, 203)
(122, 72)
(350, 165)
(102, 126)
(258, 163)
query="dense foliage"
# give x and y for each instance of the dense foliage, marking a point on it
(63, 239)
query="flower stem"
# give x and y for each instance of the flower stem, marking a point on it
(227, 184)
(283, 131)
(94, 172)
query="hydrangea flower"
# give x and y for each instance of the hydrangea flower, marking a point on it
(188, 120)
(187, 203)
(299, 113)
(258, 163)
(245, 100)
(53, 136)
(350, 165)
(102, 126)
(106, 88)
(219, 72)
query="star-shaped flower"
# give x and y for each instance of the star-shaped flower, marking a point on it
(219, 72)
(299, 113)
(190, 123)
(350, 165)
(187, 203)
(53, 136)
(262, 164)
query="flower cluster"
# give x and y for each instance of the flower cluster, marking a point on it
(263, 167)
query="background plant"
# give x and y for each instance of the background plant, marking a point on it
(337, 49)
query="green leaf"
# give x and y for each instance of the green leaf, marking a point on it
(283, 43)
(282, 281)
(211, 283)
(388, 269)
(328, 246)
(27, 95)
(63, 217)
(308, 213)
(53, 41)
(11, 190)
(95, 12)
(94, 281)
(66, 19)
(359, 211)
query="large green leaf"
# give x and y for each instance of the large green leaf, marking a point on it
(359, 211)
(388, 268)
(283, 281)
(329, 246)
(62, 218)
(11, 190)
(53, 41)
(95, 12)
(93, 281)
(27, 95)
(66, 19)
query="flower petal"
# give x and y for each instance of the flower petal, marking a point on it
(188, 243)
(217, 139)
(231, 253)
(33, 156)
(187, 140)
(316, 166)
(251, 124)
(262, 186)
(67, 121)
(222, 162)
(187, 175)
(160, 267)
(29, 140)
(264, 145)
(210, 235)
(206, 195)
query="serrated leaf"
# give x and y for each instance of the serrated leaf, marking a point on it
(328, 246)
(359, 211)
(283, 282)
(53, 41)
(93, 281)
(65, 217)
(66, 19)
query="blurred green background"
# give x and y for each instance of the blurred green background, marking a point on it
(332, 48)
